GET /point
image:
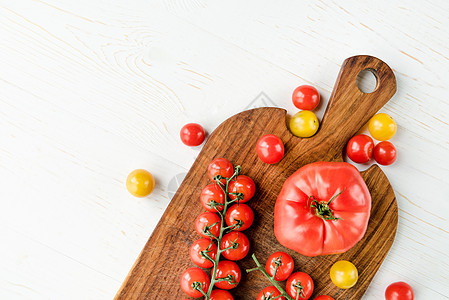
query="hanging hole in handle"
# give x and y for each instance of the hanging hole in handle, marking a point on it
(367, 81)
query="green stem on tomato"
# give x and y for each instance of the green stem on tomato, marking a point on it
(278, 263)
(274, 282)
(322, 208)
(205, 253)
(233, 226)
(199, 287)
(225, 189)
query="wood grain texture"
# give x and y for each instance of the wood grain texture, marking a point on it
(165, 255)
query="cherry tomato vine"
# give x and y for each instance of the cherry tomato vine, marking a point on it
(272, 278)
(232, 196)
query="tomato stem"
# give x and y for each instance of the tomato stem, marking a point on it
(199, 287)
(204, 253)
(277, 262)
(322, 208)
(299, 290)
(271, 297)
(230, 279)
(270, 278)
(234, 245)
(214, 205)
(225, 188)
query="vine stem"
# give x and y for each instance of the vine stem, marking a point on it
(271, 278)
(223, 228)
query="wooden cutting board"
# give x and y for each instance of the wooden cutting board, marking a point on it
(156, 273)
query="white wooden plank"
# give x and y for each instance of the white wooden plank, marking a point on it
(32, 270)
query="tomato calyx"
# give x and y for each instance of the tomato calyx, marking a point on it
(234, 245)
(196, 285)
(218, 178)
(234, 226)
(299, 290)
(322, 208)
(238, 223)
(214, 205)
(207, 231)
(229, 279)
(270, 296)
(238, 195)
(204, 253)
(277, 263)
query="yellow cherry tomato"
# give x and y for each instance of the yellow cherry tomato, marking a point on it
(344, 274)
(140, 183)
(382, 127)
(304, 124)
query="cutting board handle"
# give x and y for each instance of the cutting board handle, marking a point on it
(349, 108)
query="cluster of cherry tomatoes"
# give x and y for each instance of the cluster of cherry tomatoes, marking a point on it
(279, 267)
(229, 188)
(361, 149)
(305, 123)
(300, 285)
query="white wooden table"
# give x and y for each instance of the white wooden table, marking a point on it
(92, 89)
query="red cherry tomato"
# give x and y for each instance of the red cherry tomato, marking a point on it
(243, 184)
(192, 275)
(192, 134)
(399, 291)
(220, 295)
(210, 194)
(284, 270)
(270, 149)
(208, 220)
(300, 282)
(324, 297)
(228, 269)
(206, 246)
(360, 148)
(385, 153)
(242, 244)
(220, 166)
(306, 97)
(240, 212)
(269, 293)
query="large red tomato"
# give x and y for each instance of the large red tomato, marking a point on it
(323, 208)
